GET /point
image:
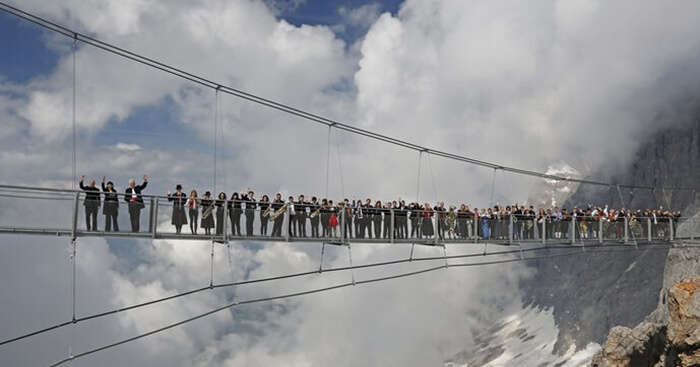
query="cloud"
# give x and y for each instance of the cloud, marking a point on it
(576, 83)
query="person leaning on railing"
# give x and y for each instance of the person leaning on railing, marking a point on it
(92, 203)
(111, 206)
(133, 197)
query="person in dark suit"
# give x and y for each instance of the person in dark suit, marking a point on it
(135, 200)
(111, 206)
(220, 209)
(315, 210)
(207, 213)
(279, 220)
(234, 214)
(250, 205)
(92, 203)
(300, 214)
(178, 199)
(292, 224)
(264, 203)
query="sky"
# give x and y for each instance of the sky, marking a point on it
(577, 83)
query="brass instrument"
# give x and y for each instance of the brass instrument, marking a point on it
(267, 211)
(451, 220)
(208, 211)
(280, 211)
(315, 213)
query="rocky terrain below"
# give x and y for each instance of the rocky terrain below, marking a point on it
(670, 335)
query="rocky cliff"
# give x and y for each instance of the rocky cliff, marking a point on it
(670, 335)
(670, 158)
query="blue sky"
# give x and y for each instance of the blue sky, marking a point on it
(26, 54)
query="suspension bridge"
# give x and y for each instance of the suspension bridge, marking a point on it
(57, 212)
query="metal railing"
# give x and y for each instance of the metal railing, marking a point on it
(79, 213)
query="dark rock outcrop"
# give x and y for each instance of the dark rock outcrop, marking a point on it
(669, 336)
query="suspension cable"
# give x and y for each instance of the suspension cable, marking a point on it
(493, 186)
(328, 159)
(277, 105)
(74, 167)
(216, 132)
(321, 290)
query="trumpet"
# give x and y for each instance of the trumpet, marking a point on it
(279, 211)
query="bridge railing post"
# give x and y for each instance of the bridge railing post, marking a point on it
(648, 229)
(572, 229)
(627, 226)
(692, 224)
(510, 229)
(436, 227)
(475, 233)
(74, 226)
(226, 220)
(342, 224)
(670, 229)
(286, 223)
(544, 231)
(154, 217)
(393, 224)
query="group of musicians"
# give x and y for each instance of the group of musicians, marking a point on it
(354, 219)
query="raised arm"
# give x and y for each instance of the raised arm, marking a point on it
(82, 179)
(145, 182)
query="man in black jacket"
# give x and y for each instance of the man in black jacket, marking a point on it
(92, 203)
(276, 205)
(133, 197)
(250, 205)
(300, 214)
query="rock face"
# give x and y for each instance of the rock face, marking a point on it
(670, 336)
(670, 158)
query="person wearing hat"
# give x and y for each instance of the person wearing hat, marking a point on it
(111, 207)
(179, 200)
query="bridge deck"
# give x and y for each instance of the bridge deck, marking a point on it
(57, 232)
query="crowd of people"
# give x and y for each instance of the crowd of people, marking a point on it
(374, 219)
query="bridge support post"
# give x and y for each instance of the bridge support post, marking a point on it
(649, 229)
(510, 229)
(74, 227)
(393, 225)
(627, 227)
(154, 217)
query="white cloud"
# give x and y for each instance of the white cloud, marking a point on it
(526, 84)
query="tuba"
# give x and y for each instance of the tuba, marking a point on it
(279, 211)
